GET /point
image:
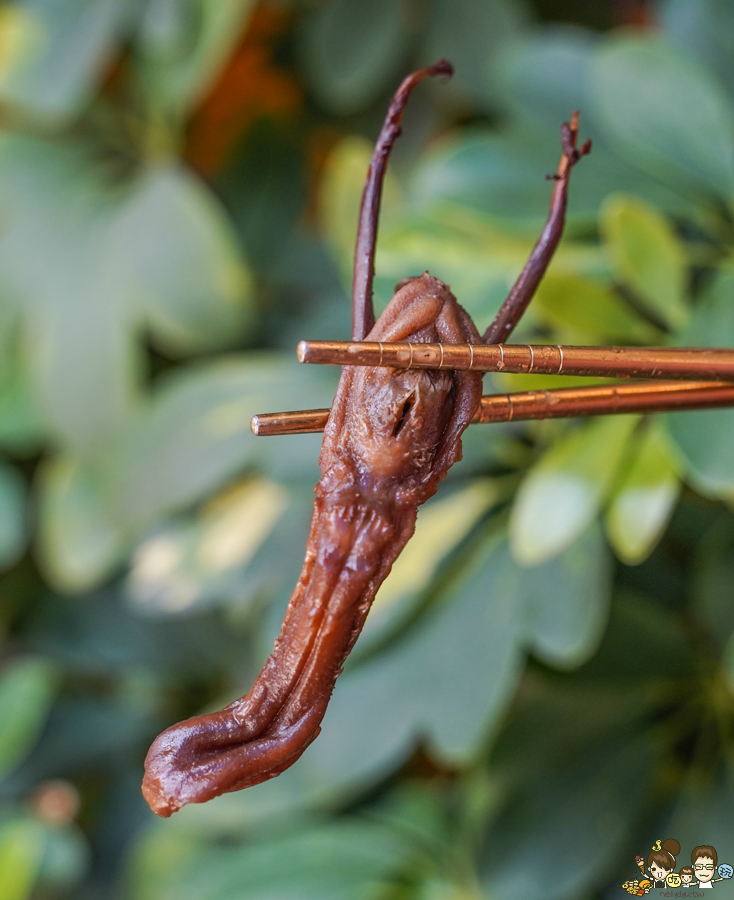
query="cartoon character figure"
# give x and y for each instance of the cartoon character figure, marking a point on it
(686, 876)
(704, 861)
(661, 862)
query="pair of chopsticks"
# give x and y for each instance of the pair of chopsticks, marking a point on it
(714, 368)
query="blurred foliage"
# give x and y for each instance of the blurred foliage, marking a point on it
(546, 682)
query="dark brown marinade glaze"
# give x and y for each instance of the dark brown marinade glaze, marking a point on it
(391, 437)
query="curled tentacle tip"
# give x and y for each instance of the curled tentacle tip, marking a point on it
(576, 153)
(443, 68)
(569, 136)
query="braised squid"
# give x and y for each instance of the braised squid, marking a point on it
(391, 437)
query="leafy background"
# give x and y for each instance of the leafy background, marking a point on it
(546, 682)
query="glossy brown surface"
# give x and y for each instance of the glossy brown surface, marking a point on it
(391, 436)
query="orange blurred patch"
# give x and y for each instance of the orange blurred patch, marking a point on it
(635, 12)
(249, 87)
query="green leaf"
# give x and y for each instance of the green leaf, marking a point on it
(191, 439)
(21, 850)
(564, 491)
(480, 261)
(195, 435)
(176, 250)
(644, 641)
(78, 336)
(472, 651)
(22, 428)
(441, 525)
(567, 603)
(66, 859)
(159, 859)
(575, 809)
(543, 75)
(712, 322)
(190, 563)
(276, 566)
(164, 247)
(703, 806)
(264, 189)
(647, 257)
(713, 575)
(341, 195)
(644, 498)
(728, 663)
(80, 544)
(502, 177)
(59, 52)
(27, 688)
(350, 52)
(349, 860)
(13, 515)
(704, 437)
(704, 29)
(181, 46)
(472, 35)
(666, 115)
(469, 647)
(8, 334)
(587, 311)
(81, 351)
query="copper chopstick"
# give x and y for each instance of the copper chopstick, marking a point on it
(552, 404)
(601, 362)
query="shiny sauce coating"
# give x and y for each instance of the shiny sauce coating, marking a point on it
(391, 437)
